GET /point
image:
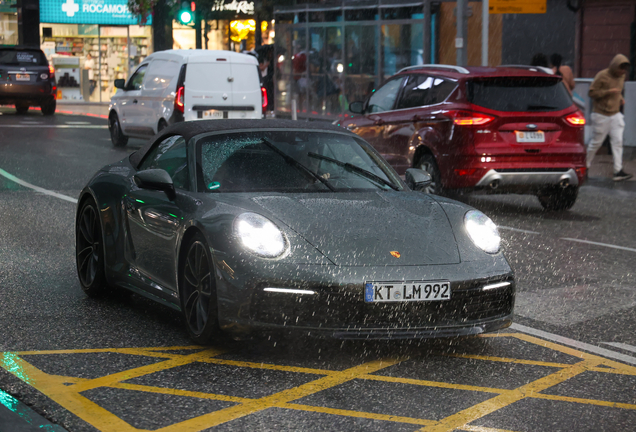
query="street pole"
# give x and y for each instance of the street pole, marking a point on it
(462, 30)
(485, 23)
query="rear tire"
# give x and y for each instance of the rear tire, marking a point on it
(89, 251)
(21, 108)
(197, 292)
(557, 198)
(48, 108)
(427, 163)
(117, 137)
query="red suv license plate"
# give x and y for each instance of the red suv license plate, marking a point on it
(530, 137)
(22, 77)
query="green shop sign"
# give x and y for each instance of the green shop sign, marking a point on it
(109, 12)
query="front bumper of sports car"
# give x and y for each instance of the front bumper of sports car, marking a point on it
(329, 301)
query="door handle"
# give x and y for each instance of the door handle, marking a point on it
(377, 120)
(134, 101)
(417, 117)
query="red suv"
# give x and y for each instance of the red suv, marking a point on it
(509, 129)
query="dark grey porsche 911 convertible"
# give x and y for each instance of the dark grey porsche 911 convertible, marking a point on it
(280, 225)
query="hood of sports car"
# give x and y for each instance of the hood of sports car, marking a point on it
(375, 229)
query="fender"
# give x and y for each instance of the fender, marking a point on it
(425, 140)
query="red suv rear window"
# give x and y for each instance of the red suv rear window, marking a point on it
(519, 94)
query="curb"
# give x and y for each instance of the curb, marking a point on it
(17, 417)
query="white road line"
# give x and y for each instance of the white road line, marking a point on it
(574, 343)
(77, 123)
(65, 126)
(36, 188)
(517, 229)
(622, 346)
(599, 244)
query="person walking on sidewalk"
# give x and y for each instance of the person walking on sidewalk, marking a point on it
(606, 93)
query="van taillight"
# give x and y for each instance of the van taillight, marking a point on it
(264, 99)
(576, 119)
(470, 118)
(178, 101)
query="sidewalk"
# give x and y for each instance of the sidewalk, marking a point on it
(85, 108)
(602, 170)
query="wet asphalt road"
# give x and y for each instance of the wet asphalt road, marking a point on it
(124, 363)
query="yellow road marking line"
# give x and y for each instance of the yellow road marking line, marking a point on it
(585, 401)
(359, 414)
(54, 388)
(508, 360)
(104, 350)
(108, 380)
(225, 415)
(267, 366)
(464, 417)
(434, 384)
(620, 371)
(176, 392)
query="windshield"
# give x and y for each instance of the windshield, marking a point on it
(290, 161)
(519, 94)
(22, 58)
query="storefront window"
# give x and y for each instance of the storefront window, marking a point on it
(8, 23)
(402, 46)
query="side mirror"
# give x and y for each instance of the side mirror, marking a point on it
(356, 107)
(417, 179)
(120, 83)
(155, 179)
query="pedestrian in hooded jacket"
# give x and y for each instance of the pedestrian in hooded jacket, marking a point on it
(606, 93)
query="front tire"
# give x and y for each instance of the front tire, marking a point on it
(197, 289)
(48, 108)
(117, 137)
(427, 163)
(558, 199)
(89, 250)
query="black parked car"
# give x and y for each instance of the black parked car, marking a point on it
(26, 79)
(272, 224)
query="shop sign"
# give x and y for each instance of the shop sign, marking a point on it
(517, 6)
(239, 7)
(110, 12)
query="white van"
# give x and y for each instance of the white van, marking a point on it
(180, 85)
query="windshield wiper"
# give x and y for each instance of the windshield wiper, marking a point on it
(290, 160)
(355, 169)
(539, 107)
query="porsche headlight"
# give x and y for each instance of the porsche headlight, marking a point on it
(482, 231)
(259, 235)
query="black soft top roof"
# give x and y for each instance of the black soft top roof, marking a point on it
(190, 129)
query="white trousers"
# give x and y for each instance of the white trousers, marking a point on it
(603, 125)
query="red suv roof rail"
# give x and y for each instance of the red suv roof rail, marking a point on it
(459, 69)
(532, 68)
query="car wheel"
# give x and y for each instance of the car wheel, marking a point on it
(427, 163)
(117, 137)
(197, 288)
(162, 125)
(558, 199)
(48, 108)
(89, 250)
(21, 108)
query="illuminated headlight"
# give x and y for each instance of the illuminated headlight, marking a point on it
(259, 235)
(482, 231)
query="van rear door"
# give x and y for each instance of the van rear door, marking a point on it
(219, 86)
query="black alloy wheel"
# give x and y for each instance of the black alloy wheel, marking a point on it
(21, 108)
(48, 108)
(558, 198)
(89, 250)
(427, 163)
(198, 292)
(117, 137)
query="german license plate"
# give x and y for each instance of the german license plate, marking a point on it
(23, 77)
(530, 137)
(213, 114)
(385, 292)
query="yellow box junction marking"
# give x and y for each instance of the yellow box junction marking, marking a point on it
(65, 390)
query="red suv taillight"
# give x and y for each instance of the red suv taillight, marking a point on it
(576, 119)
(264, 99)
(470, 118)
(51, 70)
(178, 100)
